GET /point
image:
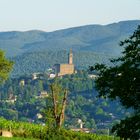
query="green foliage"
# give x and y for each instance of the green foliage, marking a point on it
(129, 128)
(16, 138)
(22, 129)
(81, 103)
(5, 67)
(122, 81)
(28, 130)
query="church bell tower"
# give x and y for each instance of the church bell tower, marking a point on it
(70, 57)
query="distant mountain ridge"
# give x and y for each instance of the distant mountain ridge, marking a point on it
(91, 37)
(98, 39)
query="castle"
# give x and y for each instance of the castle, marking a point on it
(64, 69)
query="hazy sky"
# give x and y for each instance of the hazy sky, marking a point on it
(49, 15)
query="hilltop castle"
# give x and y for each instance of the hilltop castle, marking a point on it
(64, 69)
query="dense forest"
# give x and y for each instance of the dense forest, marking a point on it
(41, 61)
(82, 101)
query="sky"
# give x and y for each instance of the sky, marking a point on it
(50, 15)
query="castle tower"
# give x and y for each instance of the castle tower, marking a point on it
(70, 57)
(65, 69)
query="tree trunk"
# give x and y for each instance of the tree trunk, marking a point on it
(59, 117)
(62, 114)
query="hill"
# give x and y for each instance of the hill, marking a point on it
(32, 48)
(25, 102)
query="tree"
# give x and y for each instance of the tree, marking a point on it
(56, 109)
(5, 67)
(121, 81)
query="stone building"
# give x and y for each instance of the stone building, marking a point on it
(42, 94)
(64, 69)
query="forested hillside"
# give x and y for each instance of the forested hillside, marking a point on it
(41, 61)
(82, 101)
(37, 50)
